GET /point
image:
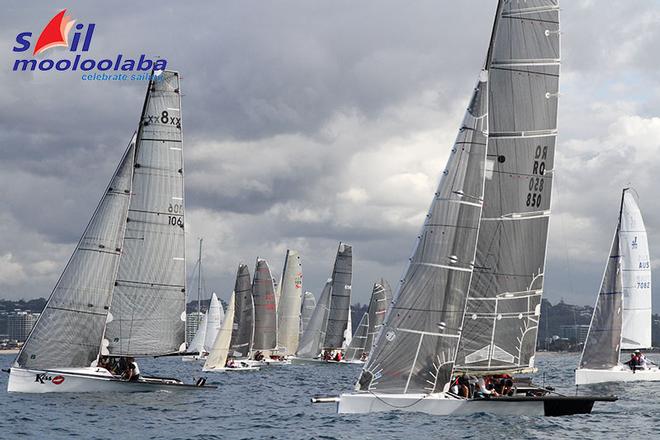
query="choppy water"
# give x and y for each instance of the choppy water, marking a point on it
(274, 403)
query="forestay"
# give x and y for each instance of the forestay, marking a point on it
(220, 349)
(414, 351)
(265, 313)
(148, 304)
(288, 306)
(70, 328)
(311, 342)
(636, 276)
(243, 328)
(340, 301)
(503, 306)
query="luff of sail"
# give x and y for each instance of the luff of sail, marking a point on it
(243, 328)
(70, 329)
(306, 310)
(311, 342)
(340, 300)
(636, 276)
(503, 307)
(265, 309)
(415, 349)
(288, 305)
(601, 348)
(220, 349)
(148, 305)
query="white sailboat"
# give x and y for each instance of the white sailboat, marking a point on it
(288, 305)
(207, 331)
(122, 293)
(326, 337)
(370, 324)
(627, 279)
(265, 345)
(469, 300)
(218, 359)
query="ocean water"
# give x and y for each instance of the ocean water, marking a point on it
(275, 404)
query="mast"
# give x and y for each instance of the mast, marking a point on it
(199, 282)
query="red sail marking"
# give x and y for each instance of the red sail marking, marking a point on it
(55, 33)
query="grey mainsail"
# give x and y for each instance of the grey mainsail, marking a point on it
(377, 308)
(147, 316)
(311, 342)
(340, 302)
(265, 309)
(358, 344)
(243, 329)
(415, 349)
(306, 309)
(601, 348)
(503, 307)
(288, 305)
(70, 329)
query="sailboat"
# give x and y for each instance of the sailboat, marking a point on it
(469, 300)
(327, 332)
(288, 305)
(207, 331)
(242, 336)
(264, 348)
(370, 324)
(122, 293)
(306, 309)
(625, 294)
(218, 359)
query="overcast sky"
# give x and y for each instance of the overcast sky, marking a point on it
(309, 122)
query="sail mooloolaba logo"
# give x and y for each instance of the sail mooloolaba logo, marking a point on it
(58, 33)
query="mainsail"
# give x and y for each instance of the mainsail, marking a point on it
(215, 317)
(197, 343)
(503, 306)
(243, 328)
(148, 305)
(311, 342)
(288, 305)
(265, 309)
(220, 349)
(636, 276)
(377, 308)
(70, 328)
(340, 301)
(306, 310)
(601, 348)
(358, 344)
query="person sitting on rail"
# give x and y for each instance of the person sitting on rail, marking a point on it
(634, 362)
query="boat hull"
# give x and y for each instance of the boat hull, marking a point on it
(85, 380)
(307, 361)
(442, 404)
(227, 370)
(585, 376)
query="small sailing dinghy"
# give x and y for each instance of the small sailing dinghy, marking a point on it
(218, 359)
(326, 337)
(469, 300)
(122, 293)
(625, 295)
(207, 331)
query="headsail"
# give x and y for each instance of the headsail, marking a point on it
(358, 344)
(503, 307)
(148, 304)
(70, 328)
(636, 276)
(243, 328)
(601, 348)
(340, 302)
(220, 349)
(306, 310)
(288, 306)
(265, 312)
(311, 342)
(197, 343)
(215, 317)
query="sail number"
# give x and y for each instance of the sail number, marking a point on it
(163, 118)
(174, 220)
(643, 284)
(536, 180)
(175, 208)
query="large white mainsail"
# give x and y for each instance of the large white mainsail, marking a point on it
(220, 349)
(70, 329)
(243, 329)
(288, 305)
(503, 306)
(147, 316)
(340, 299)
(636, 276)
(265, 308)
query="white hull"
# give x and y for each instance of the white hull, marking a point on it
(194, 358)
(235, 369)
(307, 361)
(277, 363)
(621, 373)
(442, 404)
(84, 380)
